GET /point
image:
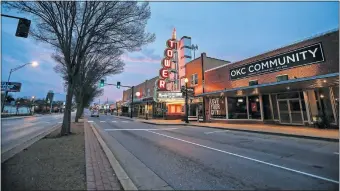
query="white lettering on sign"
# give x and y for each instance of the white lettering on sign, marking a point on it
(166, 63)
(161, 84)
(306, 55)
(171, 44)
(169, 53)
(215, 106)
(164, 73)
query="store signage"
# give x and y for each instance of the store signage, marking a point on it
(307, 55)
(169, 95)
(11, 86)
(217, 107)
(166, 64)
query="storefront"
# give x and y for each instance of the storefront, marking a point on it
(171, 104)
(293, 85)
(195, 109)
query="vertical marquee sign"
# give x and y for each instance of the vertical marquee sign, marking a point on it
(164, 72)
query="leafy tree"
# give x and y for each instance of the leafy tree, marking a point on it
(77, 28)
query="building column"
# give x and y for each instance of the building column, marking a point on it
(226, 107)
(332, 99)
(261, 107)
(306, 100)
(312, 104)
(247, 106)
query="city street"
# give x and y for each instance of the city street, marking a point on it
(188, 157)
(19, 130)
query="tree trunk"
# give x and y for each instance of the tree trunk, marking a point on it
(66, 127)
(79, 112)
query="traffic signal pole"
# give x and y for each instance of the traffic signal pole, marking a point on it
(132, 87)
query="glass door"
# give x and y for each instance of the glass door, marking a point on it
(295, 112)
(290, 111)
(284, 111)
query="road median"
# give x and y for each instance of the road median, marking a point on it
(51, 163)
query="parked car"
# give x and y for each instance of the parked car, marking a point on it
(95, 113)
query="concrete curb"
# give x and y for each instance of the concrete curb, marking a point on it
(123, 178)
(272, 133)
(136, 171)
(127, 118)
(9, 153)
(250, 131)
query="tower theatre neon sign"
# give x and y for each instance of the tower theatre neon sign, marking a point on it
(166, 64)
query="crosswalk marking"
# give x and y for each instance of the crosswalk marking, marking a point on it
(102, 121)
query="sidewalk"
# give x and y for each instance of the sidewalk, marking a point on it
(282, 130)
(99, 173)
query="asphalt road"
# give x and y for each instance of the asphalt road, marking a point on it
(198, 158)
(17, 131)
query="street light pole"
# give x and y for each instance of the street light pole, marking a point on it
(186, 101)
(131, 101)
(34, 64)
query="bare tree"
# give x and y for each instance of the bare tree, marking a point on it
(76, 29)
(94, 68)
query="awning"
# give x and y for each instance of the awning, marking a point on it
(283, 86)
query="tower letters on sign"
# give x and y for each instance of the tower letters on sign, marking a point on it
(166, 64)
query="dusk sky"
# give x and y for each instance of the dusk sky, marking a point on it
(226, 30)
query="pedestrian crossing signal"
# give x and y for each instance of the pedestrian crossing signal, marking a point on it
(101, 83)
(118, 85)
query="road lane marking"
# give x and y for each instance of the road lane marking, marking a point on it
(164, 129)
(102, 121)
(125, 122)
(215, 132)
(251, 159)
(90, 121)
(336, 153)
(47, 122)
(60, 122)
(114, 121)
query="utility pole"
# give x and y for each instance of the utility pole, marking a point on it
(131, 101)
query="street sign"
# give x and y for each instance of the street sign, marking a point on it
(11, 86)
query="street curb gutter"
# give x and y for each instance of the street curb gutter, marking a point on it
(123, 178)
(141, 175)
(250, 131)
(19, 147)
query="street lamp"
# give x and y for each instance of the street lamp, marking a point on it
(137, 94)
(186, 100)
(33, 64)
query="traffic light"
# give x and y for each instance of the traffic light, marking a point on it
(118, 85)
(101, 83)
(23, 28)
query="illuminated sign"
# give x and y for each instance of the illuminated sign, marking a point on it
(303, 56)
(166, 64)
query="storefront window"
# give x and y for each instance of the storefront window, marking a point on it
(254, 107)
(267, 113)
(237, 108)
(192, 110)
(274, 102)
(217, 108)
(324, 104)
(303, 104)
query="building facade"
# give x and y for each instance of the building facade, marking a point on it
(161, 97)
(293, 85)
(194, 74)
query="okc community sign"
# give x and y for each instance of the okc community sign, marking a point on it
(166, 64)
(307, 55)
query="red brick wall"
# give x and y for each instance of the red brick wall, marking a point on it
(219, 79)
(142, 88)
(194, 67)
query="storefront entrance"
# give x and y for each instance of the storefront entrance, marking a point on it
(290, 111)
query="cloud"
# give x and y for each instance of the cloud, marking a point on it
(144, 55)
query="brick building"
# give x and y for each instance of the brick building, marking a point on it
(194, 74)
(295, 84)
